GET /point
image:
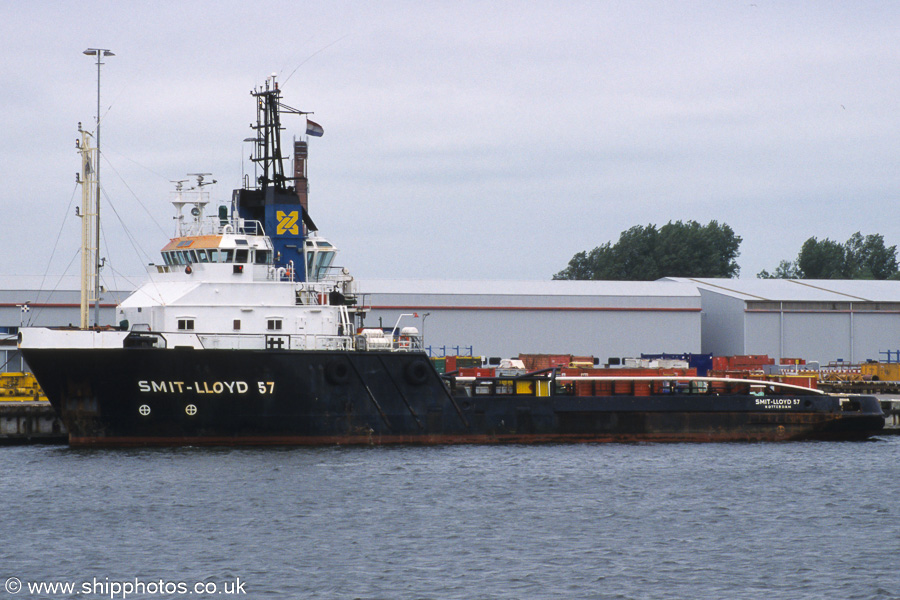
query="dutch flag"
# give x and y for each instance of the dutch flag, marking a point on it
(313, 128)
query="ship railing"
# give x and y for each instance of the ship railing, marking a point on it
(324, 294)
(213, 225)
(237, 225)
(386, 339)
(265, 341)
(335, 274)
(327, 342)
(311, 294)
(547, 383)
(406, 343)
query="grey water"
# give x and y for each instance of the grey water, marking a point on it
(792, 520)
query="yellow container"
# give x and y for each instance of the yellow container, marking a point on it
(524, 388)
(881, 371)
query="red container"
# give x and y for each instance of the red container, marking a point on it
(792, 361)
(584, 388)
(476, 372)
(603, 388)
(641, 388)
(622, 387)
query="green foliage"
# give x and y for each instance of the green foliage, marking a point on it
(786, 270)
(821, 260)
(858, 258)
(867, 258)
(674, 250)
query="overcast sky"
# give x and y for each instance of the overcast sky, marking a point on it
(462, 139)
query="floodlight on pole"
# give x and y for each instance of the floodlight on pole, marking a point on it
(99, 53)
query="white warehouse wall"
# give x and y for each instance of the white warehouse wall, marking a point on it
(496, 318)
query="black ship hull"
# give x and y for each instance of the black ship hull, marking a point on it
(148, 396)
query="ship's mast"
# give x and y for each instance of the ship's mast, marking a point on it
(273, 201)
(90, 247)
(268, 134)
(99, 53)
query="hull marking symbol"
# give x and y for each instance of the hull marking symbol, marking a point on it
(144, 409)
(190, 409)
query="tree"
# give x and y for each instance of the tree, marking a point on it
(786, 270)
(858, 258)
(674, 250)
(821, 260)
(867, 258)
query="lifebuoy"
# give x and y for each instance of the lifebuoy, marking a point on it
(188, 270)
(337, 372)
(416, 372)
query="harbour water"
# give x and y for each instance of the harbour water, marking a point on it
(793, 520)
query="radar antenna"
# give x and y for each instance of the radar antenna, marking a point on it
(200, 176)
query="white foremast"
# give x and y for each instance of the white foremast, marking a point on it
(90, 245)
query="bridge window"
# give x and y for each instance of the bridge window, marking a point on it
(240, 256)
(262, 257)
(213, 255)
(228, 256)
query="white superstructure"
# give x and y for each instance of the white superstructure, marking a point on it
(218, 287)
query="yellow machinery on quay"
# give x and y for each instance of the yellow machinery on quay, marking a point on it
(20, 387)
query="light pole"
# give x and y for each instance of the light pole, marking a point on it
(424, 316)
(99, 53)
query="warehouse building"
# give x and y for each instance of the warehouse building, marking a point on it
(821, 320)
(505, 318)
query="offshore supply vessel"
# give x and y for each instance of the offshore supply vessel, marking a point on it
(247, 333)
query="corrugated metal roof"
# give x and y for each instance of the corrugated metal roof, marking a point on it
(800, 290)
(528, 288)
